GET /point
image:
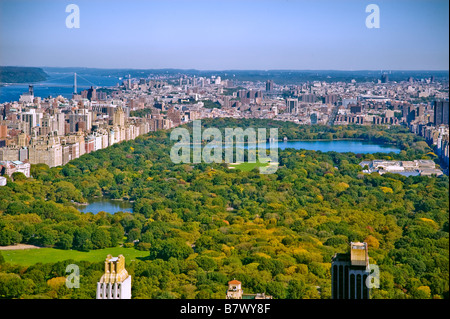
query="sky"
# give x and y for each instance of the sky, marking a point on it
(226, 34)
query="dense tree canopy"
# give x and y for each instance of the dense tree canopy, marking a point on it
(204, 224)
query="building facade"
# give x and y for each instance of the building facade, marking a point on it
(115, 282)
(235, 291)
(441, 113)
(349, 273)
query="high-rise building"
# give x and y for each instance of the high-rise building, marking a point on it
(119, 117)
(309, 98)
(331, 98)
(92, 94)
(441, 113)
(355, 109)
(3, 130)
(384, 78)
(292, 106)
(31, 119)
(420, 111)
(75, 83)
(349, 272)
(115, 282)
(80, 115)
(226, 101)
(269, 85)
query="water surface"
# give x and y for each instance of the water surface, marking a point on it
(107, 205)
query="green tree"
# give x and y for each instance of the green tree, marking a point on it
(296, 289)
(82, 239)
(9, 237)
(100, 238)
(12, 286)
(18, 176)
(172, 247)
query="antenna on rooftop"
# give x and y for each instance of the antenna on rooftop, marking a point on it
(75, 83)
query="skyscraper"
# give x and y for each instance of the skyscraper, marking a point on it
(441, 112)
(74, 83)
(292, 106)
(119, 117)
(349, 273)
(331, 98)
(309, 98)
(92, 94)
(269, 85)
(115, 282)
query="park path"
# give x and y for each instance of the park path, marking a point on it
(18, 247)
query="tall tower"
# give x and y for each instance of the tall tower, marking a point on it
(75, 83)
(349, 273)
(115, 282)
(269, 85)
(292, 106)
(92, 94)
(441, 112)
(119, 117)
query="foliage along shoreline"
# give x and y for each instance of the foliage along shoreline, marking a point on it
(19, 75)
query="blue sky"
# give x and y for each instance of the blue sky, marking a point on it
(227, 34)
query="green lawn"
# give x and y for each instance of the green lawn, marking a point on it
(246, 167)
(27, 257)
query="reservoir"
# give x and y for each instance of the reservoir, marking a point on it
(339, 146)
(107, 205)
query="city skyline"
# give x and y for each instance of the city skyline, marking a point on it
(232, 35)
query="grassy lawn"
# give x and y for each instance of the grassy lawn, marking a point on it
(246, 167)
(27, 257)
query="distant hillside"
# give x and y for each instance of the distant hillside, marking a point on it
(16, 74)
(280, 77)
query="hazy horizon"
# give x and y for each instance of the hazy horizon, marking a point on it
(222, 70)
(227, 35)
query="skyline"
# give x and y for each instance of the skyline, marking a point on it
(231, 35)
(388, 71)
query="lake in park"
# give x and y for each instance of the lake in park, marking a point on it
(107, 205)
(341, 146)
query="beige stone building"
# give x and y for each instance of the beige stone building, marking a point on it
(115, 282)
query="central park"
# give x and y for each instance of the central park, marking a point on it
(194, 226)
